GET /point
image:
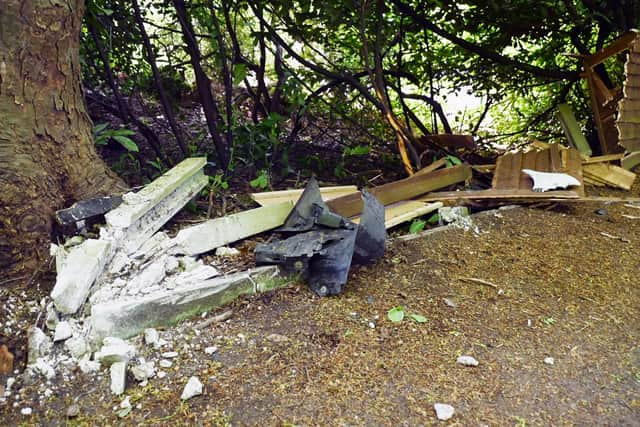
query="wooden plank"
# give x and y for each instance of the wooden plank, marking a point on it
(433, 166)
(528, 162)
(403, 189)
(513, 179)
(497, 194)
(542, 161)
(555, 159)
(572, 129)
(617, 46)
(612, 175)
(502, 172)
(593, 182)
(221, 231)
(405, 211)
(603, 159)
(630, 161)
(276, 197)
(572, 165)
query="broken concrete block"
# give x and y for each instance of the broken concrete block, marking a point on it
(148, 277)
(195, 275)
(191, 389)
(151, 336)
(63, 331)
(114, 350)
(129, 317)
(217, 232)
(80, 268)
(77, 346)
(39, 344)
(43, 366)
(443, 411)
(143, 370)
(137, 205)
(118, 372)
(467, 361)
(87, 365)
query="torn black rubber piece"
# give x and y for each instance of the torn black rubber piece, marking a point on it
(372, 234)
(321, 257)
(311, 210)
(87, 209)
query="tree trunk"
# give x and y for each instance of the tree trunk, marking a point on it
(47, 156)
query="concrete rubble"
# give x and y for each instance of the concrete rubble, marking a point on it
(191, 389)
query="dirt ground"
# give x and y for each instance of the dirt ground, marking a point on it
(561, 289)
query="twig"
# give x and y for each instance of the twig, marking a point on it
(215, 319)
(15, 279)
(478, 281)
(611, 236)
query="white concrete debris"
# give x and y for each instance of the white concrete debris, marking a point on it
(549, 360)
(545, 181)
(118, 372)
(191, 389)
(115, 350)
(39, 344)
(77, 346)
(26, 411)
(79, 270)
(151, 336)
(444, 412)
(43, 366)
(150, 276)
(87, 365)
(467, 361)
(226, 251)
(63, 331)
(211, 350)
(161, 374)
(165, 363)
(143, 370)
(170, 354)
(52, 317)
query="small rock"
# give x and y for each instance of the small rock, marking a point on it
(211, 350)
(225, 251)
(549, 360)
(39, 344)
(44, 367)
(277, 338)
(125, 407)
(144, 370)
(166, 363)
(170, 354)
(26, 411)
(449, 302)
(160, 343)
(443, 411)
(467, 361)
(77, 346)
(193, 388)
(161, 374)
(73, 410)
(151, 336)
(115, 350)
(51, 321)
(63, 331)
(118, 373)
(87, 365)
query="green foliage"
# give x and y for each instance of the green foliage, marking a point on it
(261, 181)
(102, 135)
(417, 225)
(418, 318)
(396, 314)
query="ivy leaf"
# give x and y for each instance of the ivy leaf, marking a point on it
(239, 73)
(396, 314)
(418, 318)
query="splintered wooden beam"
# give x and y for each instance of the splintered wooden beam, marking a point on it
(630, 161)
(603, 159)
(404, 189)
(275, 197)
(611, 175)
(405, 211)
(493, 194)
(572, 129)
(218, 232)
(616, 47)
(433, 166)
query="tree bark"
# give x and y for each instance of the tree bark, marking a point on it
(47, 156)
